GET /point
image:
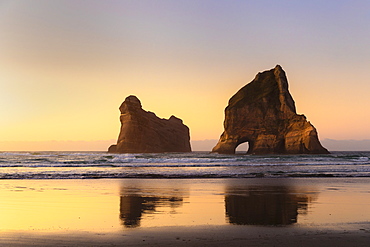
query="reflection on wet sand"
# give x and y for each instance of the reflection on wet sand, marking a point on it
(186, 212)
(243, 204)
(266, 205)
(134, 205)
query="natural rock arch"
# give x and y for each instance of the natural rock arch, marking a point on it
(263, 114)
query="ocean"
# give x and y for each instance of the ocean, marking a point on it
(95, 165)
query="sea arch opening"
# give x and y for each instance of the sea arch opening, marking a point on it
(242, 148)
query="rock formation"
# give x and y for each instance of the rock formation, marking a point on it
(263, 114)
(143, 132)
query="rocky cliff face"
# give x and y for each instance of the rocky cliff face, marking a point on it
(143, 132)
(263, 114)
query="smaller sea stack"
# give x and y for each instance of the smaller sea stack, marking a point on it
(143, 132)
(263, 114)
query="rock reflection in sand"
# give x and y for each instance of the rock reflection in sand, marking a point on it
(132, 207)
(266, 205)
(207, 203)
(136, 202)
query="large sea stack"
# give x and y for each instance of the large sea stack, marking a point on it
(143, 132)
(263, 114)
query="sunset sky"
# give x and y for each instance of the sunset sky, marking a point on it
(66, 66)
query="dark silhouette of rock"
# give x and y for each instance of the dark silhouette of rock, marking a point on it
(143, 132)
(266, 205)
(133, 207)
(263, 114)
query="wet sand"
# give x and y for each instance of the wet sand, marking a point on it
(197, 236)
(186, 212)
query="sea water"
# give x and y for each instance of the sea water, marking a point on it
(91, 165)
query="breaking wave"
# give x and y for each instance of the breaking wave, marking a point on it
(61, 165)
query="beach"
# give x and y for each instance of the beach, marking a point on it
(185, 212)
(184, 123)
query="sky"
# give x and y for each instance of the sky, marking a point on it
(67, 65)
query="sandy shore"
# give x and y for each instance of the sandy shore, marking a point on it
(196, 236)
(185, 212)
